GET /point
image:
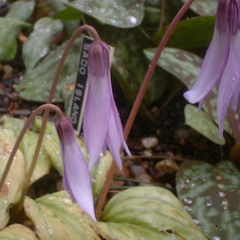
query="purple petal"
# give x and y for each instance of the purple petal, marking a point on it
(97, 109)
(213, 64)
(115, 138)
(76, 176)
(229, 84)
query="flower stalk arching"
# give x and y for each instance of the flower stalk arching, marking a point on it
(19, 139)
(139, 99)
(55, 81)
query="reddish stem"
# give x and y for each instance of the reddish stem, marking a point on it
(152, 67)
(53, 89)
(138, 101)
(21, 135)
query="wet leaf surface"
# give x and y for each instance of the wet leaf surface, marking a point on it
(211, 195)
(44, 30)
(124, 14)
(56, 217)
(37, 81)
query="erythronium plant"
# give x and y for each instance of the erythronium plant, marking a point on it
(221, 64)
(101, 123)
(112, 136)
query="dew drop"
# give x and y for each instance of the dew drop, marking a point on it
(113, 21)
(222, 194)
(188, 208)
(216, 238)
(188, 200)
(131, 20)
(225, 204)
(196, 221)
(209, 204)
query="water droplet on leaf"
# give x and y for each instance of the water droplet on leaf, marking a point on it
(188, 200)
(131, 20)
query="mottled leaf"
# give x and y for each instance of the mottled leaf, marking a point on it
(211, 195)
(190, 33)
(182, 64)
(44, 30)
(9, 28)
(12, 188)
(146, 210)
(43, 164)
(37, 81)
(201, 122)
(21, 10)
(56, 217)
(125, 14)
(17, 232)
(204, 7)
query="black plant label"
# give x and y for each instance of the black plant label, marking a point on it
(76, 113)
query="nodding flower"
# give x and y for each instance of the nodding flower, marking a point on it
(102, 126)
(76, 176)
(221, 65)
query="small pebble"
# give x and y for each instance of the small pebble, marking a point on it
(144, 178)
(136, 170)
(166, 166)
(149, 142)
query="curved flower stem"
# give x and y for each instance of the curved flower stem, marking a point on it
(52, 92)
(138, 101)
(21, 135)
(152, 67)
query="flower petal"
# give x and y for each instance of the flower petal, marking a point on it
(214, 61)
(229, 84)
(115, 138)
(97, 109)
(76, 176)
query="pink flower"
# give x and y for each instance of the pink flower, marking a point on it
(76, 176)
(102, 126)
(221, 65)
